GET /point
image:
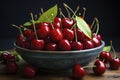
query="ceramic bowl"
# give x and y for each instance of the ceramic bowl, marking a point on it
(59, 60)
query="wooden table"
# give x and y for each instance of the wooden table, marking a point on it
(108, 75)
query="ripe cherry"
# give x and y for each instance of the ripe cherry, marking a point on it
(50, 47)
(11, 67)
(95, 42)
(68, 34)
(29, 71)
(27, 33)
(88, 44)
(64, 45)
(99, 68)
(10, 58)
(57, 19)
(55, 35)
(37, 44)
(78, 72)
(43, 32)
(55, 25)
(67, 22)
(105, 56)
(76, 46)
(20, 40)
(4, 55)
(114, 63)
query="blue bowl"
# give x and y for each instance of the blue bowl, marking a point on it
(59, 60)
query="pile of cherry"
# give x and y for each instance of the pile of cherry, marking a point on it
(62, 34)
(78, 71)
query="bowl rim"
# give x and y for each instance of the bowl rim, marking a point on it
(57, 52)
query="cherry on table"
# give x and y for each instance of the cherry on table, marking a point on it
(114, 63)
(29, 71)
(105, 56)
(100, 67)
(78, 72)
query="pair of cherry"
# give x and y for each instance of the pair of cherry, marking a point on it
(79, 72)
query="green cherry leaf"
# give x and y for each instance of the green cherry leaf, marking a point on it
(83, 26)
(107, 48)
(27, 24)
(49, 15)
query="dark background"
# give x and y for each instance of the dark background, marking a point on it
(17, 12)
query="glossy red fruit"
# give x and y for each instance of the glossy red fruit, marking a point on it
(50, 47)
(20, 40)
(38, 25)
(68, 34)
(64, 45)
(27, 33)
(81, 36)
(67, 22)
(10, 58)
(105, 56)
(100, 67)
(78, 72)
(88, 44)
(31, 37)
(114, 63)
(57, 19)
(11, 67)
(96, 42)
(4, 55)
(43, 32)
(29, 71)
(98, 36)
(27, 45)
(37, 44)
(76, 46)
(55, 35)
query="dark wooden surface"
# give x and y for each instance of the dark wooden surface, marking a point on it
(108, 75)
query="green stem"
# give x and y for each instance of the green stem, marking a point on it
(68, 12)
(88, 66)
(61, 14)
(93, 22)
(113, 49)
(84, 11)
(34, 25)
(97, 23)
(68, 7)
(76, 11)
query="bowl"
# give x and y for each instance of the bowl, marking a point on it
(59, 60)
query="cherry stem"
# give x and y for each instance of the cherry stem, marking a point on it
(48, 18)
(84, 11)
(76, 11)
(61, 13)
(113, 49)
(88, 66)
(97, 23)
(68, 7)
(68, 12)
(75, 34)
(34, 25)
(36, 17)
(18, 28)
(93, 22)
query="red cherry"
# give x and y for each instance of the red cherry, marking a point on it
(26, 45)
(11, 67)
(95, 42)
(55, 35)
(99, 68)
(43, 32)
(29, 71)
(38, 25)
(76, 46)
(81, 36)
(37, 44)
(56, 24)
(88, 44)
(4, 55)
(105, 56)
(10, 58)
(48, 40)
(27, 33)
(50, 47)
(68, 34)
(20, 40)
(57, 19)
(98, 36)
(78, 72)
(114, 63)
(31, 37)
(64, 45)
(67, 22)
